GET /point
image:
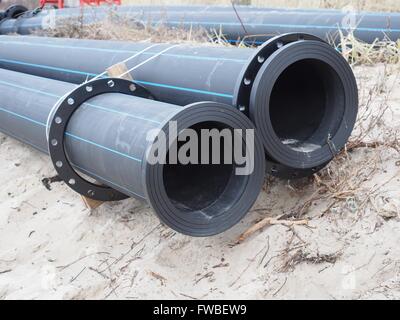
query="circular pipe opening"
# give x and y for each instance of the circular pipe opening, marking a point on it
(304, 107)
(206, 197)
(304, 103)
(203, 187)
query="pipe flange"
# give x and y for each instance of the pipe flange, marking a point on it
(15, 11)
(248, 74)
(245, 84)
(59, 122)
(336, 108)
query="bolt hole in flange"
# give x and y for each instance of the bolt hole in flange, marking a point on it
(76, 179)
(247, 81)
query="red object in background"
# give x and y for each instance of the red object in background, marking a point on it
(98, 2)
(58, 3)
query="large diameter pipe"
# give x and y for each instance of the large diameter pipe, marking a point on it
(300, 93)
(107, 139)
(196, 8)
(255, 25)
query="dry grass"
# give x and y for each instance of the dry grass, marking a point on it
(381, 5)
(346, 185)
(117, 28)
(342, 183)
(373, 5)
(358, 52)
(300, 256)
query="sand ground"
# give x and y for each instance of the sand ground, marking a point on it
(51, 246)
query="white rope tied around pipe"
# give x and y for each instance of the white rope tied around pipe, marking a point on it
(62, 98)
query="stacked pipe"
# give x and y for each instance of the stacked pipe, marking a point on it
(107, 139)
(13, 12)
(255, 25)
(299, 92)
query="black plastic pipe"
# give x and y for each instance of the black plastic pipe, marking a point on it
(107, 139)
(300, 93)
(255, 25)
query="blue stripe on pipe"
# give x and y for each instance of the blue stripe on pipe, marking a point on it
(71, 135)
(73, 164)
(87, 104)
(10, 84)
(101, 146)
(253, 10)
(48, 67)
(224, 95)
(301, 26)
(23, 117)
(244, 41)
(183, 56)
(121, 113)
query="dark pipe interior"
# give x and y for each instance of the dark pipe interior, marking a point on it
(306, 104)
(206, 187)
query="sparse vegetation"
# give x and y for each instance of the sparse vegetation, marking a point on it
(115, 27)
(381, 5)
(118, 28)
(358, 52)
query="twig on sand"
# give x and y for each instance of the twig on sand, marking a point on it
(268, 222)
(265, 254)
(363, 265)
(113, 290)
(79, 259)
(133, 245)
(306, 257)
(99, 273)
(207, 275)
(76, 277)
(187, 296)
(280, 288)
(5, 271)
(158, 277)
(247, 268)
